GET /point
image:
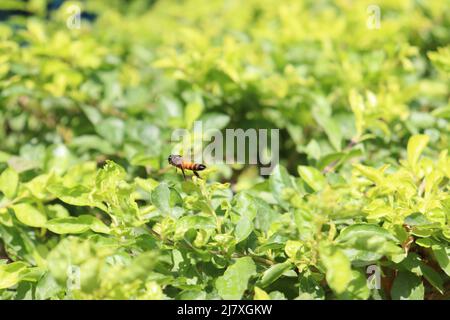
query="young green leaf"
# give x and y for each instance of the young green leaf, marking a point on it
(338, 270)
(193, 222)
(161, 198)
(280, 180)
(244, 228)
(75, 225)
(67, 225)
(367, 242)
(234, 282)
(357, 288)
(30, 215)
(10, 274)
(416, 145)
(273, 273)
(260, 294)
(312, 177)
(192, 112)
(9, 181)
(322, 115)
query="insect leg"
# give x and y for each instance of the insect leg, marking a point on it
(184, 176)
(196, 173)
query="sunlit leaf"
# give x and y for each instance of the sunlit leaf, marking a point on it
(235, 279)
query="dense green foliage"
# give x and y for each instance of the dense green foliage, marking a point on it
(86, 117)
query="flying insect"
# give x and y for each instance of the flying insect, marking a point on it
(178, 162)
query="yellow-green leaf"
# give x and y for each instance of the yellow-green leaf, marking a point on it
(313, 177)
(10, 274)
(416, 145)
(260, 294)
(9, 181)
(337, 265)
(29, 215)
(76, 225)
(192, 112)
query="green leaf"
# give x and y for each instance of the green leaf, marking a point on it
(10, 274)
(441, 112)
(364, 231)
(233, 283)
(18, 243)
(269, 246)
(280, 180)
(245, 205)
(214, 121)
(29, 215)
(274, 272)
(407, 286)
(38, 186)
(140, 266)
(192, 295)
(244, 228)
(47, 287)
(412, 263)
(77, 195)
(305, 223)
(67, 225)
(338, 158)
(4, 157)
(310, 287)
(265, 215)
(95, 224)
(357, 289)
(416, 145)
(9, 181)
(322, 115)
(85, 143)
(193, 222)
(367, 242)
(112, 129)
(161, 198)
(424, 242)
(442, 254)
(57, 211)
(192, 112)
(329, 159)
(372, 174)
(260, 294)
(416, 219)
(277, 295)
(433, 277)
(338, 270)
(312, 149)
(75, 225)
(312, 177)
(92, 113)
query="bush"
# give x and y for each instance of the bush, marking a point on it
(89, 210)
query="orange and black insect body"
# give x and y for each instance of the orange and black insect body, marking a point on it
(178, 162)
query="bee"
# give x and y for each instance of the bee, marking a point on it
(178, 162)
